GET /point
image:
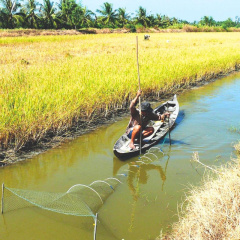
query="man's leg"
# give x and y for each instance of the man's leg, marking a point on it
(147, 132)
(135, 133)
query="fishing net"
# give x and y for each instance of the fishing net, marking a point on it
(79, 200)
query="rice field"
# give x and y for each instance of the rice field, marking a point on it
(48, 83)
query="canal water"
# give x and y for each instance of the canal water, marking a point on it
(146, 201)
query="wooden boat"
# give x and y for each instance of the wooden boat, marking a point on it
(121, 148)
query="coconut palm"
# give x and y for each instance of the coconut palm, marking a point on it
(166, 21)
(151, 19)
(10, 16)
(174, 21)
(209, 21)
(3, 18)
(123, 17)
(67, 8)
(158, 20)
(86, 19)
(48, 11)
(109, 15)
(31, 18)
(76, 16)
(141, 17)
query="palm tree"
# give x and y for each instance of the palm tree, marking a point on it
(9, 13)
(165, 21)
(86, 17)
(67, 8)
(3, 18)
(123, 17)
(109, 15)
(212, 22)
(174, 21)
(142, 17)
(74, 15)
(158, 20)
(209, 21)
(151, 20)
(31, 17)
(49, 15)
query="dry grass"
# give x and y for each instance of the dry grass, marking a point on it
(213, 210)
(50, 32)
(237, 147)
(35, 32)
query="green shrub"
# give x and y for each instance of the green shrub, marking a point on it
(131, 27)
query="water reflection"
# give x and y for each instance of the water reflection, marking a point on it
(137, 171)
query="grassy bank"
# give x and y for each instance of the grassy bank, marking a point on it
(50, 83)
(212, 211)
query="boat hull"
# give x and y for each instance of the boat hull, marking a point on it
(121, 148)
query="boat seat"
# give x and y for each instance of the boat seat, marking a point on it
(171, 102)
(171, 109)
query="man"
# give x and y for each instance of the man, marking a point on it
(138, 124)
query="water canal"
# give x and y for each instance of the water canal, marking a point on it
(146, 202)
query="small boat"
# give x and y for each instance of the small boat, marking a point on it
(121, 148)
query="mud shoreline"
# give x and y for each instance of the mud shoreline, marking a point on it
(82, 127)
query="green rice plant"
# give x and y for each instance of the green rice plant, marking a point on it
(49, 83)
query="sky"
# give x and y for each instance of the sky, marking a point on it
(189, 10)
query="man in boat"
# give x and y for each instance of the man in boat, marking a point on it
(139, 123)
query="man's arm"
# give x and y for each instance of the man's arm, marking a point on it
(134, 103)
(159, 117)
(162, 117)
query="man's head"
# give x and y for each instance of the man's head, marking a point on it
(146, 108)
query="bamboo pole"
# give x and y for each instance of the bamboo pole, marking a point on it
(169, 128)
(2, 198)
(139, 86)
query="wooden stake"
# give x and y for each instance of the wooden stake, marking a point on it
(95, 227)
(2, 197)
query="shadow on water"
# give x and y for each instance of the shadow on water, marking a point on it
(166, 140)
(174, 142)
(180, 117)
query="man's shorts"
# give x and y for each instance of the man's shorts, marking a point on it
(130, 133)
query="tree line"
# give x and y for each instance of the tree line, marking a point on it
(68, 14)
